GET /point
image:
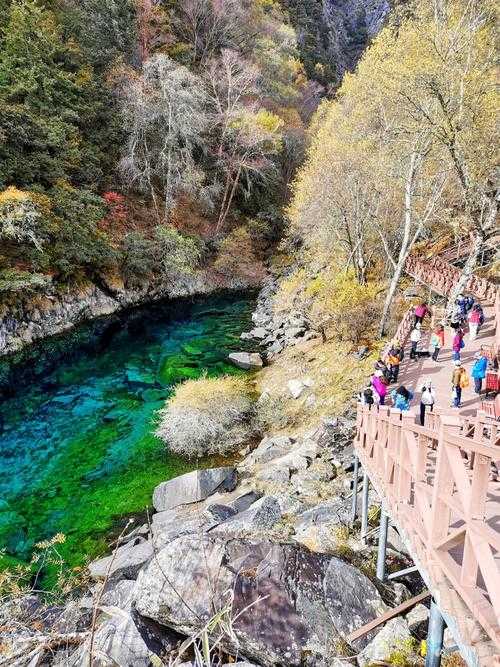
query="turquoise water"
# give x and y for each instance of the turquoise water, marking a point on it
(77, 450)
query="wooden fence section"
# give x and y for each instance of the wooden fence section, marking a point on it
(442, 276)
(436, 483)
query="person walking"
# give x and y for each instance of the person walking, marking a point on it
(427, 400)
(415, 338)
(420, 312)
(474, 322)
(379, 384)
(393, 361)
(401, 398)
(479, 370)
(458, 344)
(437, 341)
(459, 381)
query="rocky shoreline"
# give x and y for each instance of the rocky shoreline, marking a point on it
(259, 560)
(39, 316)
(259, 553)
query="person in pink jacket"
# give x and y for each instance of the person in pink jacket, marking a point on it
(380, 386)
(420, 312)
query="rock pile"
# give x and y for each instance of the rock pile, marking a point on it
(276, 331)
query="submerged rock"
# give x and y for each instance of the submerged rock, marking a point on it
(287, 601)
(193, 487)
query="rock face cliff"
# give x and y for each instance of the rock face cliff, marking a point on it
(350, 25)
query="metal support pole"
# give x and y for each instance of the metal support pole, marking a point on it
(434, 637)
(364, 507)
(382, 544)
(354, 509)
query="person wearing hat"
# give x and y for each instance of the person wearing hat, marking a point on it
(427, 399)
(415, 337)
(479, 370)
(379, 384)
(459, 380)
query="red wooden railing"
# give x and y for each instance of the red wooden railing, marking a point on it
(435, 482)
(442, 276)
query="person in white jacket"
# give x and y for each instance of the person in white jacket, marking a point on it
(415, 337)
(427, 399)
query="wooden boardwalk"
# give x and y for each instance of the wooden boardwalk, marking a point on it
(436, 483)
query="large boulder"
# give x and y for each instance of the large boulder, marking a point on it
(286, 601)
(125, 563)
(246, 360)
(193, 487)
(391, 639)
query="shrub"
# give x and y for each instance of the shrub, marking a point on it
(19, 217)
(272, 414)
(176, 253)
(208, 416)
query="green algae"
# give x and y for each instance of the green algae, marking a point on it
(78, 451)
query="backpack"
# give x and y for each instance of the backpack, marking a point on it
(464, 380)
(462, 344)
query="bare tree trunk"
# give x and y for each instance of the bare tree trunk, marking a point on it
(407, 242)
(230, 198)
(467, 271)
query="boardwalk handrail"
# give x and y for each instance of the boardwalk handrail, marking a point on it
(442, 276)
(435, 482)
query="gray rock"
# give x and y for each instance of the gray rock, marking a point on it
(395, 541)
(258, 332)
(275, 348)
(418, 619)
(183, 520)
(293, 461)
(294, 332)
(125, 563)
(193, 487)
(262, 515)
(125, 639)
(269, 449)
(391, 638)
(220, 512)
(274, 475)
(246, 360)
(310, 600)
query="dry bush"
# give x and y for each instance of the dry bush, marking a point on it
(208, 416)
(271, 413)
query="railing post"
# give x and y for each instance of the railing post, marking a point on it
(364, 506)
(435, 636)
(443, 481)
(382, 544)
(354, 507)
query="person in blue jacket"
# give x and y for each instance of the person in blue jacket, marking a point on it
(401, 398)
(479, 370)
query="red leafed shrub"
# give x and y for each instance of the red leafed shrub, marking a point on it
(117, 207)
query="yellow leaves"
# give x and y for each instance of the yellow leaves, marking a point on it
(13, 194)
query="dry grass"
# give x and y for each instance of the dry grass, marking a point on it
(208, 416)
(337, 377)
